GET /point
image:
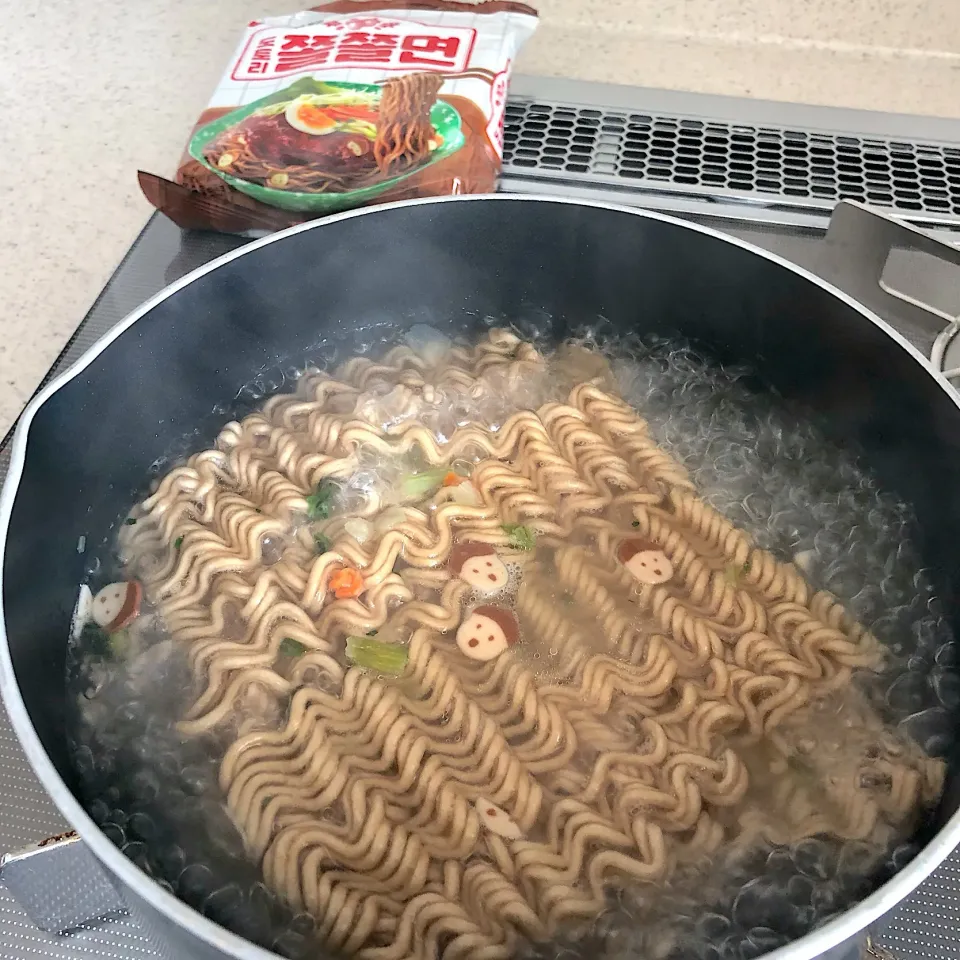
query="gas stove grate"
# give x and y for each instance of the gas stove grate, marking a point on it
(803, 168)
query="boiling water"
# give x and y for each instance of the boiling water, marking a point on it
(156, 795)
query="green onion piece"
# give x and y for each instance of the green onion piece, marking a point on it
(417, 485)
(636, 523)
(521, 537)
(178, 543)
(732, 573)
(320, 503)
(371, 633)
(321, 542)
(272, 109)
(130, 521)
(376, 655)
(94, 640)
(291, 648)
(119, 643)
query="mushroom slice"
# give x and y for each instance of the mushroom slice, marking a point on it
(479, 565)
(488, 632)
(117, 604)
(497, 820)
(645, 561)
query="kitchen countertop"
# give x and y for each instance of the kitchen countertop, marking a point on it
(92, 92)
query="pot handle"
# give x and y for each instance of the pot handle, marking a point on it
(60, 885)
(854, 255)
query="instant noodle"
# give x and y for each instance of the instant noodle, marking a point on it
(345, 104)
(449, 729)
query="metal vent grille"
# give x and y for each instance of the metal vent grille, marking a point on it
(803, 168)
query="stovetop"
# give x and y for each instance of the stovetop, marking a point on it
(766, 173)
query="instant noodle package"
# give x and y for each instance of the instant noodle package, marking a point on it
(346, 104)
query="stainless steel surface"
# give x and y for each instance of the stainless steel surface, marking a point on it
(946, 353)
(923, 926)
(27, 814)
(59, 884)
(855, 254)
(770, 160)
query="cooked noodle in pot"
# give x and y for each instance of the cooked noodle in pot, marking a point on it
(481, 656)
(459, 643)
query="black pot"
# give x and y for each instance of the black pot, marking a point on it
(85, 445)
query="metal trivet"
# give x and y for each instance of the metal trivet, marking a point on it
(746, 162)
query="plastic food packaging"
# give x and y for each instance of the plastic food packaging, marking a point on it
(346, 104)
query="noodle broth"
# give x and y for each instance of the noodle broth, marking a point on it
(516, 648)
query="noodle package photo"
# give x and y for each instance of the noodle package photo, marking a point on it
(346, 104)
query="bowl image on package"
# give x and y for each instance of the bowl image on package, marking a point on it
(321, 146)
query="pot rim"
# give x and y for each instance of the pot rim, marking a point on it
(812, 945)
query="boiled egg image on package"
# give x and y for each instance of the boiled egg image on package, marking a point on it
(307, 117)
(479, 565)
(487, 632)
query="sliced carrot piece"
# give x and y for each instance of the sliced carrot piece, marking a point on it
(350, 112)
(347, 583)
(452, 479)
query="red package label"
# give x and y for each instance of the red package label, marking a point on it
(359, 42)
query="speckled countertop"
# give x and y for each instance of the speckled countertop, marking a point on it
(91, 92)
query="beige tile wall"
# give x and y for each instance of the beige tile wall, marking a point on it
(901, 55)
(923, 26)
